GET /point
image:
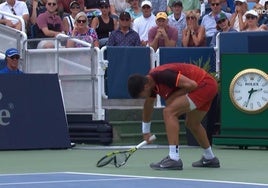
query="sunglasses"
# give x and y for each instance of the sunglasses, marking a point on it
(75, 7)
(221, 21)
(124, 19)
(190, 18)
(215, 4)
(81, 21)
(250, 17)
(51, 4)
(146, 7)
(104, 6)
(14, 57)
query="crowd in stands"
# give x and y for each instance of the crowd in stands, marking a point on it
(155, 23)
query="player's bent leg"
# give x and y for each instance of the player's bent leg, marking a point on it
(193, 120)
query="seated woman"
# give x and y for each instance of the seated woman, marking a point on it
(223, 25)
(251, 23)
(193, 35)
(104, 24)
(83, 32)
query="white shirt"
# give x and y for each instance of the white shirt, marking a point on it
(142, 26)
(19, 7)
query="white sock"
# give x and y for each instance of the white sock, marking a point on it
(174, 152)
(208, 154)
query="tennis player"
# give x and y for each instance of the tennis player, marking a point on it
(186, 89)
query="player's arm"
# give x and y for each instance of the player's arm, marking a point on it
(146, 117)
(185, 84)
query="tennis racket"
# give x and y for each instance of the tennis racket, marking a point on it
(119, 158)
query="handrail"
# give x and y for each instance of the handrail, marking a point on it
(17, 18)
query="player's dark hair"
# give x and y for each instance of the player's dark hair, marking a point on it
(136, 84)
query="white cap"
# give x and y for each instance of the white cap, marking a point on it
(252, 12)
(242, 1)
(146, 2)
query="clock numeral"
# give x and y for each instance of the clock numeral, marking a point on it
(245, 79)
(236, 91)
(259, 78)
(259, 104)
(251, 105)
(245, 104)
(264, 99)
(238, 98)
(239, 84)
(264, 84)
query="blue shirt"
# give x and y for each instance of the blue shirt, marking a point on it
(118, 38)
(6, 70)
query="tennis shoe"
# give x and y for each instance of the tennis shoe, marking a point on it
(167, 164)
(209, 163)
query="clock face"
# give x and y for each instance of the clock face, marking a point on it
(249, 91)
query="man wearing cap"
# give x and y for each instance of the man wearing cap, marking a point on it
(64, 6)
(188, 5)
(124, 35)
(177, 19)
(162, 35)
(143, 24)
(12, 62)
(208, 21)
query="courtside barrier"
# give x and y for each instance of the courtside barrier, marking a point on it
(32, 114)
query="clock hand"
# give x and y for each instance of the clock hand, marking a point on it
(249, 96)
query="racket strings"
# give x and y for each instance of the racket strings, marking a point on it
(120, 159)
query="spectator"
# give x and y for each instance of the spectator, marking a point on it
(118, 6)
(68, 21)
(193, 35)
(208, 20)
(177, 19)
(134, 10)
(237, 20)
(38, 7)
(194, 5)
(143, 23)
(64, 7)
(124, 35)
(12, 62)
(17, 8)
(49, 23)
(159, 6)
(251, 23)
(262, 12)
(162, 35)
(83, 32)
(104, 24)
(223, 25)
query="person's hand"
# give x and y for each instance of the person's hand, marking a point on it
(146, 137)
(144, 43)
(161, 33)
(75, 31)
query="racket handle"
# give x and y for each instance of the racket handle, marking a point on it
(153, 137)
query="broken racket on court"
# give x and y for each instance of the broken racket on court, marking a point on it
(119, 158)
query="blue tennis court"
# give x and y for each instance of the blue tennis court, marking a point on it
(85, 180)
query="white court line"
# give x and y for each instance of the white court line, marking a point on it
(167, 178)
(67, 181)
(125, 177)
